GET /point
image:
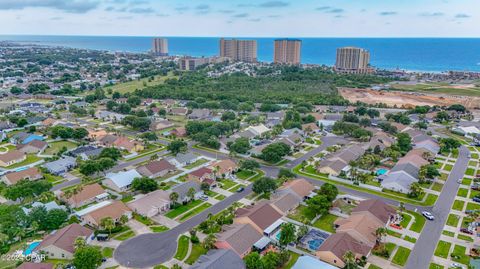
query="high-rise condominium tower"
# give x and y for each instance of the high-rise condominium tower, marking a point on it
(239, 50)
(287, 51)
(353, 60)
(160, 46)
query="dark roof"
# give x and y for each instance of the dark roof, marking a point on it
(377, 208)
(219, 259)
(158, 166)
(65, 237)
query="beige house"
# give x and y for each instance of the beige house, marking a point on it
(12, 157)
(335, 247)
(33, 147)
(30, 174)
(224, 167)
(239, 238)
(261, 216)
(115, 210)
(60, 244)
(86, 195)
(151, 204)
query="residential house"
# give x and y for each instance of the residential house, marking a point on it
(284, 201)
(114, 210)
(429, 145)
(107, 140)
(86, 152)
(310, 128)
(301, 187)
(201, 174)
(307, 262)
(24, 138)
(182, 190)
(121, 181)
(200, 114)
(262, 216)
(179, 132)
(329, 120)
(96, 135)
(179, 111)
(109, 116)
(151, 204)
(293, 140)
(61, 166)
(335, 247)
(239, 238)
(48, 206)
(86, 195)
(12, 157)
(157, 168)
(61, 243)
(339, 161)
(33, 147)
(375, 207)
(399, 181)
(34, 265)
(125, 143)
(217, 259)
(160, 125)
(258, 130)
(29, 174)
(224, 168)
(183, 159)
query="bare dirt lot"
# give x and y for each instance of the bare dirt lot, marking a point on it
(407, 99)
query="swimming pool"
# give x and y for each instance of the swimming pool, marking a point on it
(381, 171)
(315, 244)
(277, 236)
(31, 247)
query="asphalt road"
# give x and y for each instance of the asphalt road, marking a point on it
(148, 250)
(423, 250)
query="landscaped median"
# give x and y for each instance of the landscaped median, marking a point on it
(429, 200)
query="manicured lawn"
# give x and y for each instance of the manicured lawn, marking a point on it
(431, 199)
(473, 193)
(406, 218)
(124, 236)
(466, 221)
(325, 222)
(448, 233)
(473, 206)
(53, 179)
(462, 192)
(227, 184)
(107, 252)
(220, 197)
(244, 174)
(418, 223)
(30, 159)
(465, 237)
(293, 259)
(410, 239)
(437, 186)
(158, 228)
(390, 247)
(448, 167)
(197, 251)
(234, 189)
(143, 219)
(195, 211)
(182, 247)
(467, 181)
(401, 256)
(373, 266)
(435, 266)
(393, 233)
(196, 163)
(458, 205)
(458, 255)
(470, 172)
(182, 209)
(442, 249)
(453, 220)
(55, 147)
(301, 213)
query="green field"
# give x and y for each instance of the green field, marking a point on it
(442, 249)
(438, 88)
(195, 211)
(401, 256)
(182, 247)
(197, 251)
(55, 147)
(182, 209)
(131, 86)
(453, 220)
(325, 223)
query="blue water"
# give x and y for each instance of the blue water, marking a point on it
(381, 171)
(418, 54)
(315, 244)
(31, 247)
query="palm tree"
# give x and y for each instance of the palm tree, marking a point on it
(209, 241)
(3, 239)
(79, 242)
(108, 223)
(174, 197)
(349, 259)
(380, 233)
(176, 266)
(191, 193)
(123, 219)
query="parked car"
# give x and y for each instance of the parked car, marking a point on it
(465, 230)
(456, 265)
(428, 215)
(475, 187)
(240, 189)
(476, 199)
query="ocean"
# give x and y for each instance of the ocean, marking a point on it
(413, 54)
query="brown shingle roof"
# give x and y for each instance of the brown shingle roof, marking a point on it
(14, 177)
(158, 166)
(114, 210)
(262, 214)
(300, 186)
(240, 237)
(39, 144)
(11, 155)
(65, 237)
(87, 192)
(224, 166)
(377, 208)
(340, 243)
(32, 265)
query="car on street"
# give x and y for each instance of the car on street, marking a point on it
(240, 189)
(428, 215)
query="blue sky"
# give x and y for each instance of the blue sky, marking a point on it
(256, 18)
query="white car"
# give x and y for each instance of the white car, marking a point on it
(428, 215)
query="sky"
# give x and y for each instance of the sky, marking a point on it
(242, 18)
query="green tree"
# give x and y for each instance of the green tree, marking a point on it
(253, 261)
(240, 145)
(415, 190)
(209, 242)
(112, 153)
(404, 142)
(287, 234)
(177, 146)
(174, 197)
(108, 224)
(329, 190)
(249, 164)
(319, 204)
(286, 173)
(350, 260)
(264, 185)
(274, 152)
(88, 257)
(144, 184)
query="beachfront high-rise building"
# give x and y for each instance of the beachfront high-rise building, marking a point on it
(160, 46)
(353, 60)
(239, 50)
(287, 51)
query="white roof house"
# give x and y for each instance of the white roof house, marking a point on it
(121, 181)
(258, 130)
(468, 130)
(398, 181)
(92, 208)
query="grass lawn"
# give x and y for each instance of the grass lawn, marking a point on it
(390, 247)
(55, 147)
(401, 256)
(293, 259)
(227, 184)
(325, 222)
(442, 249)
(453, 220)
(473, 193)
(431, 199)
(182, 209)
(458, 255)
(393, 233)
(465, 237)
(470, 172)
(373, 266)
(458, 205)
(418, 223)
(435, 266)
(125, 235)
(437, 186)
(30, 159)
(234, 189)
(107, 252)
(131, 86)
(410, 239)
(196, 163)
(158, 228)
(473, 206)
(245, 174)
(301, 213)
(53, 179)
(197, 251)
(195, 211)
(462, 192)
(143, 219)
(220, 197)
(448, 233)
(182, 247)
(448, 167)
(467, 181)
(406, 218)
